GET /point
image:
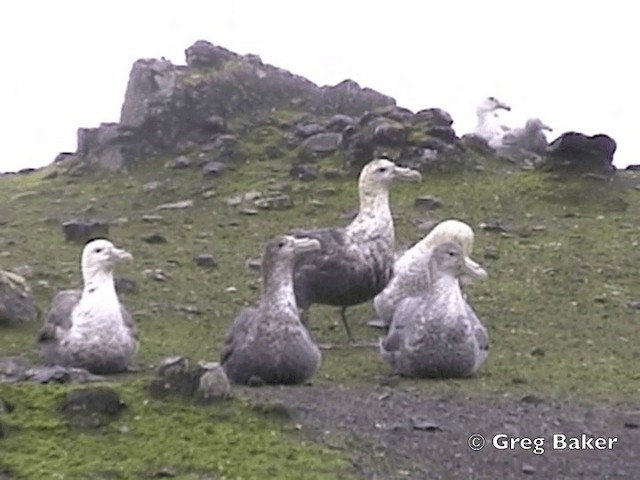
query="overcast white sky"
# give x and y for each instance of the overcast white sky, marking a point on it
(574, 64)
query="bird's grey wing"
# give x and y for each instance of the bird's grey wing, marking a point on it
(59, 316)
(128, 322)
(237, 333)
(482, 337)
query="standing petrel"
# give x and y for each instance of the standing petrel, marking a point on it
(355, 263)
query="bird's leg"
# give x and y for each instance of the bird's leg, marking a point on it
(343, 315)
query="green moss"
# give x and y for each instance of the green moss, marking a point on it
(226, 440)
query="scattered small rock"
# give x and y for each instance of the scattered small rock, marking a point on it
(304, 173)
(537, 352)
(254, 264)
(280, 201)
(424, 423)
(179, 163)
(205, 260)
(60, 374)
(634, 304)
(494, 227)
(154, 238)
(213, 169)
(209, 194)
(152, 218)
(166, 472)
(91, 407)
(151, 186)
(427, 202)
(176, 205)
(214, 384)
(83, 230)
(528, 469)
(155, 274)
(491, 252)
(16, 301)
(189, 309)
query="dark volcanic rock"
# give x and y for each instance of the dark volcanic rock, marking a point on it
(16, 301)
(389, 133)
(154, 239)
(306, 173)
(91, 407)
(83, 230)
(205, 260)
(179, 163)
(576, 152)
(206, 382)
(203, 54)
(320, 144)
(213, 169)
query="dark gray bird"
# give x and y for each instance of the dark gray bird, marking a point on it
(355, 263)
(267, 343)
(90, 328)
(437, 334)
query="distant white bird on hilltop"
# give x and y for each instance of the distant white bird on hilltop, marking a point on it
(488, 126)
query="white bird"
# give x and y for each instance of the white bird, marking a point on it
(411, 273)
(489, 126)
(436, 333)
(90, 328)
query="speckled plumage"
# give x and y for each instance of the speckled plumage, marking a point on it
(267, 343)
(411, 273)
(355, 263)
(436, 333)
(90, 328)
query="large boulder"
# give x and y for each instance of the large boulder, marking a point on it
(16, 301)
(320, 144)
(576, 152)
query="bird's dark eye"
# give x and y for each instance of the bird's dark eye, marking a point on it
(281, 244)
(98, 250)
(382, 169)
(493, 99)
(452, 253)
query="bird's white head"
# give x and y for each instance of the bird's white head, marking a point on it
(99, 256)
(459, 232)
(377, 176)
(491, 104)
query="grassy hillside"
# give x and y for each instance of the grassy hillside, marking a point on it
(555, 303)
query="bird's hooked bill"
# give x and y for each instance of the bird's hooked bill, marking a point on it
(120, 254)
(408, 174)
(306, 244)
(473, 269)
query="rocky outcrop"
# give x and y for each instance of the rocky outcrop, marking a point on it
(576, 152)
(16, 301)
(168, 108)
